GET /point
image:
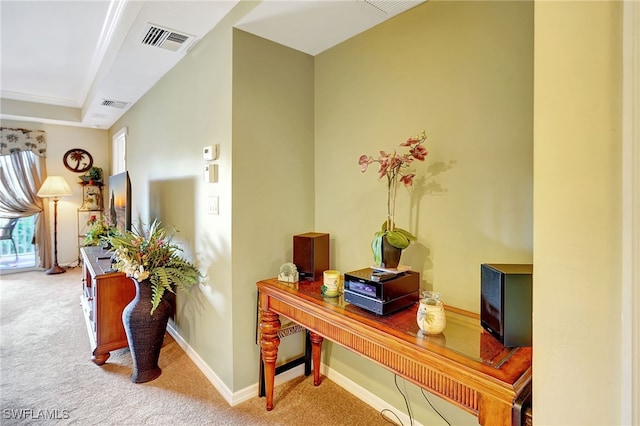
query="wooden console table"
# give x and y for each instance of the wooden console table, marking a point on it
(464, 364)
(104, 296)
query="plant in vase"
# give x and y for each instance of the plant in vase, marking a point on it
(93, 175)
(396, 168)
(99, 232)
(152, 261)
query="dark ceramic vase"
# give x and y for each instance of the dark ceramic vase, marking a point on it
(390, 255)
(145, 332)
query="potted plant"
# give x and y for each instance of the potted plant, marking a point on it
(388, 243)
(92, 176)
(152, 261)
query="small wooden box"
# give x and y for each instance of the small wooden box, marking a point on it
(311, 254)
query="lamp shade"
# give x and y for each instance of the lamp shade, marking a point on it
(54, 186)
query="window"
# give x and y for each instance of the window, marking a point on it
(18, 250)
(118, 152)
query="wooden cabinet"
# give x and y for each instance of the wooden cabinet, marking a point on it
(104, 296)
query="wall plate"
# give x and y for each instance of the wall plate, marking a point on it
(214, 205)
(211, 173)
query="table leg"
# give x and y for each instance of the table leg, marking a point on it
(100, 359)
(492, 412)
(316, 352)
(269, 327)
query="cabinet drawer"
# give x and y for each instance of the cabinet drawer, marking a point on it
(88, 310)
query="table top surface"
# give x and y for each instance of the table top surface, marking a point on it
(463, 339)
(98, 260)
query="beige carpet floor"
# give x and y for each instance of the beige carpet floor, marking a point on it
(46, 376)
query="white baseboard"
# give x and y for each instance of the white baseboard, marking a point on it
(202, 366)
(234, 398)
(367, 397)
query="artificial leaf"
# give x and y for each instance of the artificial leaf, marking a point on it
(397, 239)
(376, 247)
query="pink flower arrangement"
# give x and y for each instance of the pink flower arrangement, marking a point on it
(397, 168)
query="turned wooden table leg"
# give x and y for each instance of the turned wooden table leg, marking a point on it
(269, 327)
(100, 359)
(316, 352)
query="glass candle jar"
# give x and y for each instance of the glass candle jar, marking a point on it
(431, 316)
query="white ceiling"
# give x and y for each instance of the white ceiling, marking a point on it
(61, 61)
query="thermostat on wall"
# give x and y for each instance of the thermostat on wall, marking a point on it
(210, 152)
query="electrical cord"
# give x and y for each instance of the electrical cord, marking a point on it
(384, 413)
(388, 420)
(406, 403)
(434, 408)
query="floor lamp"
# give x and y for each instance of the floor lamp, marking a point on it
(54, 187)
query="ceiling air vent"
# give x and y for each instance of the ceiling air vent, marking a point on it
(114, 104)
(156, 36)
(393, 7)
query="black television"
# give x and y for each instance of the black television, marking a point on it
(120, 201)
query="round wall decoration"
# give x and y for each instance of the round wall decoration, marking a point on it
(77, 160)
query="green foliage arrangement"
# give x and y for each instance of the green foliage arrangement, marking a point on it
(149, 254)
(93, 174)
(98, 232)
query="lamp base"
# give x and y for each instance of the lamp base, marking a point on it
(55, 269)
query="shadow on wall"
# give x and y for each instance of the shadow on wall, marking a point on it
(418, 255)
(427, 185)
(172, 201)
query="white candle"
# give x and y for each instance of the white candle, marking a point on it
(331, 281)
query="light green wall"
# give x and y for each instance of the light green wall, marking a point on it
(190, 108)
(254, 99)
(463, 71)
(273, 180)
(577, 283)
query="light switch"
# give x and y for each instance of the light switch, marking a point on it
(214, 205)
(210, 173)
